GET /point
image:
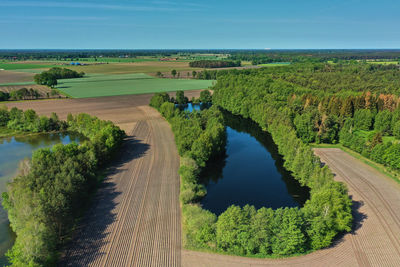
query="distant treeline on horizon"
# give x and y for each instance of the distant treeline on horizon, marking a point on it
(255, 55)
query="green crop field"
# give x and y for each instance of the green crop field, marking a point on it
(125, 84)
(17, 83)
(22, 66)
(139, 66)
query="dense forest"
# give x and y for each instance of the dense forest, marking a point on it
(214, 64)
(45, 199)
(307, 55)
(356, 105)
(247, 231)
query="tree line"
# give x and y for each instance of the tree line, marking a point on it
(51, 76)
(248, 55)
(214, 63)
(20, 94)
(45, 199)
(335, 78)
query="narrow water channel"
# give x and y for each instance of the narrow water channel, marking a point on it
(12, 151)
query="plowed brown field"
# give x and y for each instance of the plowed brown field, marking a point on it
(135, 218)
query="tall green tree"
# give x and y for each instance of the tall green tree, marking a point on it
(180, 98)
(383, 121)
(305, 127)
(363, 119)
(205, 96)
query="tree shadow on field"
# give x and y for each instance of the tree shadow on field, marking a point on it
(358, 219)
(90, 235)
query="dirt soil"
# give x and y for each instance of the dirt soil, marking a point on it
(135, 218)
(15, 77)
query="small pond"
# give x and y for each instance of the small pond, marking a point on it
(251, 171)
(12, 151)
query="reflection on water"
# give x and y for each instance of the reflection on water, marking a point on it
(190, 106)
(12, 151)
(252, 172)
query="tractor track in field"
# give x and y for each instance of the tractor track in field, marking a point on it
(134, 219)
(145, 230)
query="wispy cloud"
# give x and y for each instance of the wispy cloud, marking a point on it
(88, 5)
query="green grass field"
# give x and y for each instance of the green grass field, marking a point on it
(17, 83)
(125, 84)
(23, 66)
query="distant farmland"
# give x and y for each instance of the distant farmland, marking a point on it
(125, 84)
(23, 66)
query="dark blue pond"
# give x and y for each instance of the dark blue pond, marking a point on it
(251, 172)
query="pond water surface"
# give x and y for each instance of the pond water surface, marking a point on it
(251, 171)
(12, 151)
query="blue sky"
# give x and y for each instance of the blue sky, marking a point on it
(251, 24)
